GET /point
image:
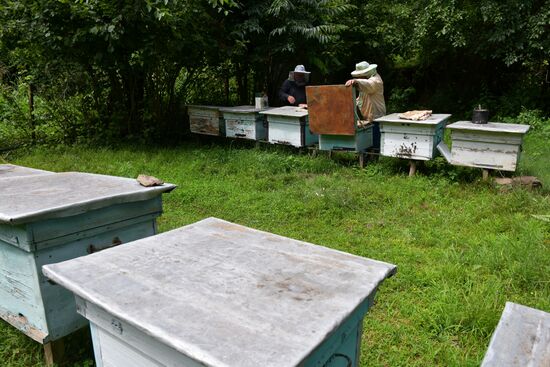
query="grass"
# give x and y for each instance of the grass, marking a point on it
(463, 248)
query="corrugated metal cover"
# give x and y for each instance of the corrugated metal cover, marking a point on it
(224, 294)
(32, 198)
(331, 109)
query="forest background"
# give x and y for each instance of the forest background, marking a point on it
(100, 72)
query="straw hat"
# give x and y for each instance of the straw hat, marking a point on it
(363, 68)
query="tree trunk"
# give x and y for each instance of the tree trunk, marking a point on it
(31, 113)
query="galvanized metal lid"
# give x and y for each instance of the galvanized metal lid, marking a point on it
(522, 338)
(32, 198)
(290, 111)
(490, 127)
(226, 295)
(10, 170)
(434, 119)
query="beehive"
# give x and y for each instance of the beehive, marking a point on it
(290, 126)
(415, 140)
(47, 218)
(217, 294)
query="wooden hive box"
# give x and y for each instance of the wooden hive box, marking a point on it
(48, 218)
(218, 294)
(332, 115)
(416, 140)
(290, 126)
(244, 122)
(206, 120)
(489, 146)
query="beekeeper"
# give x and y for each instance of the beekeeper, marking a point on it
(293, 90)
(370, 101)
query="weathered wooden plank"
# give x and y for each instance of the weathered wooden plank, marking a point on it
(488, 137)
(486, 155)
(492, 127)
(434, 119)
(10, 170)
(118, 343)
(331, 109)
(359, 142)
(521, 339)
(205, 120)
(41, 197)
(407, 146)
(61, 227)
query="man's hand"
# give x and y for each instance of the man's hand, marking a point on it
(350, 82)
(291, 100)
(302, 105)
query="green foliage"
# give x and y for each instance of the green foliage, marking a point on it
(128, 67)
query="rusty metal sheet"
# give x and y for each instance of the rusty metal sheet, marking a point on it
(331, 109)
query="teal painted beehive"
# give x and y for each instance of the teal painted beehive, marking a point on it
(218, 294)
(289, 126)
(47, 218)
(244, 122)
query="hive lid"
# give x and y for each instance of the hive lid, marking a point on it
(204, 107)
(490, 127)
(37, 197)
(434, 119)
(224, 294)
(10, 170)
(522, 338)
(290, 111)
(242, 109)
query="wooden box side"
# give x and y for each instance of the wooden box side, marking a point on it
(331, 109)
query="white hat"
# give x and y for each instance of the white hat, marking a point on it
(363, 68)
(301, 69)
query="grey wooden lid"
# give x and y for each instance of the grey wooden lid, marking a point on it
(434, 119)
(224, 294)
(10, 170)
(241, 109)
(522, 338)
(203, 107)
(290, 111)
(31, 198)
(490, 127)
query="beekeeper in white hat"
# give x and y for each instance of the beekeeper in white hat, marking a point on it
(370, 101)
(293, 90)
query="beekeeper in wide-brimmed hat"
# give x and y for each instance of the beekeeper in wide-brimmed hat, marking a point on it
(293, 90)
(368, 82)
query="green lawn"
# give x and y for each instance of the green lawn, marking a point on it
(462, 247)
